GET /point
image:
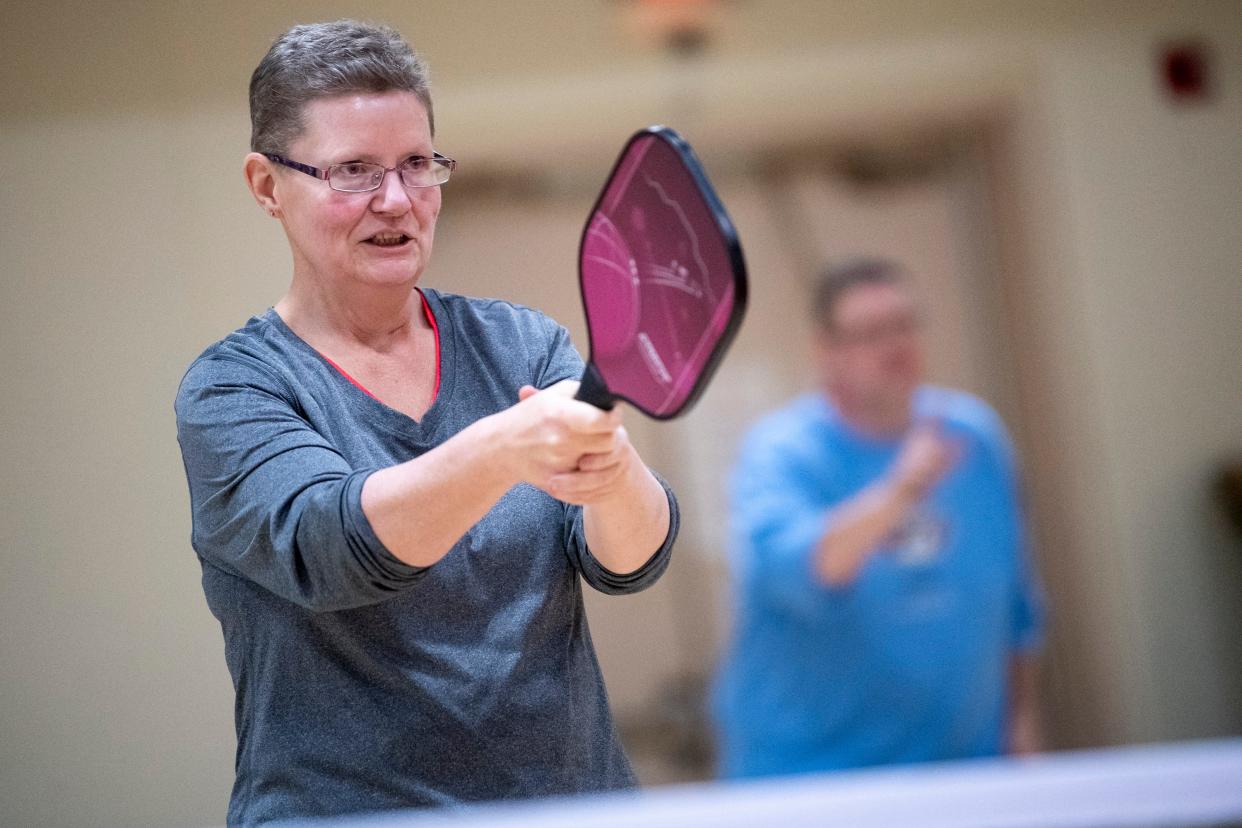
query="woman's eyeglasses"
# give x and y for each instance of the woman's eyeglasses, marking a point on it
(363, 177)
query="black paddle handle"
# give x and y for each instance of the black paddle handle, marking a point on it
(594, 390)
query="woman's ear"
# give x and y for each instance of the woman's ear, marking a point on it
(262, 182)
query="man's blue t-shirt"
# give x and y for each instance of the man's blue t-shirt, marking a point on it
(909, 662)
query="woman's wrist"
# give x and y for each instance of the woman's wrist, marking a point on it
(499, 456)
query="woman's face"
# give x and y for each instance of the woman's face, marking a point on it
(380, 238)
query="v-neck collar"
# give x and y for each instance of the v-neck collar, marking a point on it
(389, 418)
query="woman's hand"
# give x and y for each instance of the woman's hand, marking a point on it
(550, 435)
(579, 454)
(570, 449)
(598, 476)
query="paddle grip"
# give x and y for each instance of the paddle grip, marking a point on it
(594, 390)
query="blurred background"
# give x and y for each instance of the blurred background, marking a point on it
(1064, 177)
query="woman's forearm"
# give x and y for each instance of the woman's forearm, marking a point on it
(627, 527)
(420, 508)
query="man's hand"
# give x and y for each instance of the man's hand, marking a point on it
(925, 457)
(1024, 737)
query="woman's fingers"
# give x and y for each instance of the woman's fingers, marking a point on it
(598, 461)
(552, 432)
(589, 445)
(601, 460)
(582, 487)
(597, 475)
(558, 401)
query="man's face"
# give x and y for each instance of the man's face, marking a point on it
(872, 350)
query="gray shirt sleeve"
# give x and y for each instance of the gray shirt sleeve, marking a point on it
(272, 500)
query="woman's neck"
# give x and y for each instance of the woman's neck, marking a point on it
(377, 318)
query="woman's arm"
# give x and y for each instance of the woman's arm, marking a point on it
(626, 516)
(272, 500)
(628, 524)
(419, 509)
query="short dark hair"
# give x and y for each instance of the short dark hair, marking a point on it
(318, 60)
(838, 279)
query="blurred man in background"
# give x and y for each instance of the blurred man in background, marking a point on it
(886, 612)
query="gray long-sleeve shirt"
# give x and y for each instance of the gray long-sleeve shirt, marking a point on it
(363, 683)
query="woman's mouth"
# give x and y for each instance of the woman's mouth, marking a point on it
(388, 239)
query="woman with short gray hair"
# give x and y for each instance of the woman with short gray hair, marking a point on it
(394, 493)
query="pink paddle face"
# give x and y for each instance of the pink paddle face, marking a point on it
(662, 277)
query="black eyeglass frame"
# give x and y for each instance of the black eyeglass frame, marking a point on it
(326, 174)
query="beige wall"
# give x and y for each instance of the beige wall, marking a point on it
(128, 243)
(1135, 255)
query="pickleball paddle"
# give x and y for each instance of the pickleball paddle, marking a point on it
(662, 277)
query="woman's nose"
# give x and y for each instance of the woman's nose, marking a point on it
(392, 196)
